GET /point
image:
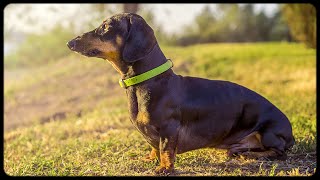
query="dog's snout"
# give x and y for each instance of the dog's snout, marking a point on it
(71, 44)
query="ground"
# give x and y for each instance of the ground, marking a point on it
(70, 117)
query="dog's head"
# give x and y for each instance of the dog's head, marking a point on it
(122, 39)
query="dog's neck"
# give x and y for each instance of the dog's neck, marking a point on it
(139, 94)
(154, 59)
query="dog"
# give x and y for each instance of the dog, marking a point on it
(176, 114)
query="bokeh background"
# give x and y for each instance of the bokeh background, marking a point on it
(64, 114)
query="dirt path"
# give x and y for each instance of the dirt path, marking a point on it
(56, 97)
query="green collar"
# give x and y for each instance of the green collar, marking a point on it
(145, 76)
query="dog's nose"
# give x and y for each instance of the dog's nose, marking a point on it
(71, 44)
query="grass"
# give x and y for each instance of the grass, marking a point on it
(70, 117)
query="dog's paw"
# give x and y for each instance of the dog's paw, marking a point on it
(163, 170)
(232, 154)
(147, 158)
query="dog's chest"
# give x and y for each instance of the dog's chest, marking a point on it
(142, 117)
(144, 126)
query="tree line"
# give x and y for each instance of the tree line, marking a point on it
(234, 23)
(215, 23)
(239, 23)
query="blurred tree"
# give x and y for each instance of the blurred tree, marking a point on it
(234, 23)
(204, 18)
(202, 30)
(278, 28)
(161, 36)
(269, 27)
(229, 26)
(247, 22)
(131, 8)
(301, 19)
(206, 24)
(12, 12)
(99, 12)
(39, 49)
(263, 27)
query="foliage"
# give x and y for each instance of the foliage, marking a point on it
(234, 23)
(301, 19)
(40, 49)
(131, 7)
(101, 140)
(162, 37)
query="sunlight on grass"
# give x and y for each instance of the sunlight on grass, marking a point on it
(70, 117)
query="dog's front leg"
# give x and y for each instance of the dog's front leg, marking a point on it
(167, 148)
(152, 155)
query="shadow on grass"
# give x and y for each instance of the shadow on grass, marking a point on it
(295, 165)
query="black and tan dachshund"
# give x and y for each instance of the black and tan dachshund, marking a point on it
(176, 114)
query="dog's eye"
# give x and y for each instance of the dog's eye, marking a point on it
(106, 28)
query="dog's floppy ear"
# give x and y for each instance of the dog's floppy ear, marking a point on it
(140, 40)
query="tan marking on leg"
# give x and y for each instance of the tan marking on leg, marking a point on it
(166, 162)
(167, 157)
(152, 155)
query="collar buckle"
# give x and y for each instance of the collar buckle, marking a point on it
(122, 83)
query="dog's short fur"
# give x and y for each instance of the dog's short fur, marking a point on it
(177, 114)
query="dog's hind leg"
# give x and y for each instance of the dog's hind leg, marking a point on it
(273, 148)
(274, 143)
(270, 154)
(251, 142)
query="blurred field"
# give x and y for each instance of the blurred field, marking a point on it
(70, 117)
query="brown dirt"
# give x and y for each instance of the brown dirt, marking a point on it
(57, 97)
